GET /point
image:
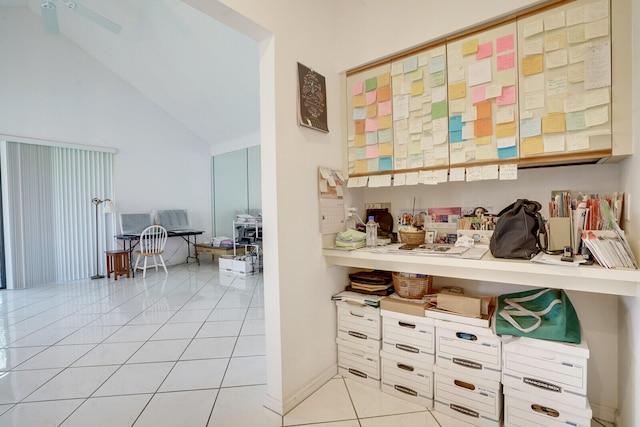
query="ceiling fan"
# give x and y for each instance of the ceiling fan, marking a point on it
(50, 18)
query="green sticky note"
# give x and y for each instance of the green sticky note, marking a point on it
(371, 84)
(436, 79)
(439, 110)
(575, 120)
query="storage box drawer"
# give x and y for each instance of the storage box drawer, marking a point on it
(474, 400)
(359, 362)
(407, 379)
(470, 349)
(408, 336)
(359, 324)
(547, 369)
(527, 410)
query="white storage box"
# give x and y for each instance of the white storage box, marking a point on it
(473, 400)
(359, 324)
(408, 336)
(359, 362)
(245, 265)
(225, 264)
(548, 369)
(407, 379)
(527, 410)
(470, 349)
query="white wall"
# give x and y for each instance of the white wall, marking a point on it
(51, 90)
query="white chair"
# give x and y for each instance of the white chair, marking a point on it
(152, 241)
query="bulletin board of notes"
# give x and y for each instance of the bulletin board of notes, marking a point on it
(535, 88)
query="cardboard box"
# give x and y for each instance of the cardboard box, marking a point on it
(467, 305)
(549, 369)
(483, 321)
(523, 410)
(412, 307)
(471, 350)
(359, 363)
(407, 379)
(409, 336)
(359, 324)
(473, 400)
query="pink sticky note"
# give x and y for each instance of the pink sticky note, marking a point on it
(358, 88)
(371, 97)
(504, 43)
(384, 108)
(506, 61)
(371, 125)
(484, 50)
(478, 94)
(508, 96)
(372, 151)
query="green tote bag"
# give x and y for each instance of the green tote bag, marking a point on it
(538, 313)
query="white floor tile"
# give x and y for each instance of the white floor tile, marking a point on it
(250, 345)
(4, 408)
(152, 317)
(253, 413)
(90, 335)
(255, 313)
(130, 333)
(109, 354)
(16, 385)
(171, 331)
(135, 379)
(209, 348)
(50, 413)
(329, 404)
(185, 408)
(422, 419)
(219, 314)
(446, 420)
(12, 357)
(108, 411)
(159, 351)
(195, 374)
(186, 316)
(46, 336)
(253, 327)
(251, 370)
(372, 402)
(229, 328)
(73, 383)
(57, 356)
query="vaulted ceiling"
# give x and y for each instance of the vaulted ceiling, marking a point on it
(201, 72)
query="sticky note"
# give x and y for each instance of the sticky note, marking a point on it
(416, 75)
(372, 165)
(360, 140)
(532, 145)
(372, 138)
(504, 43)
(371, 97)
(370, 84)
(384, 122)
(506, 61)
(385, 163)
(532, 65)
(359, 113)
(455, 123)
(575, 121)
(436, 79)
(455, 136)
(505, 129)
(469, 47)
(483, 127)
(478, 94)
(482, 140)
(358, 88)
(457, 90)
(361, 153)
(384, 94)
(530, 127)
(553, 123)
(360, 166)
(384, 108)
(385, 149)
(483, 110)
(410, 64)
(359, 101)
(507, 152)
(439, 110)
(360, 128)
(372, 111)
(371, 125)
(385, 135)
(508, 96)
(436, 64)
(384, 79)
(484, 50)
(372, 151)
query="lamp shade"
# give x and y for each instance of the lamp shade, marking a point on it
(109, 206)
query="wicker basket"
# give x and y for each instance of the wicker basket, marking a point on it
(412, 287)
(409, 237)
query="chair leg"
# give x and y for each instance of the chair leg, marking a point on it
(135, 267)
(155, 262)
(163, 265)
(144, 273)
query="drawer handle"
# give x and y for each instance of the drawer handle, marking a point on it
(357, 335)
(545, 410)
(466, 336)
(408, 348)
(407, 325)
(359, 304)
(462, 384)
(464, 410)
(405, 390)
(356, 314)
(357, 373)
(405, 367)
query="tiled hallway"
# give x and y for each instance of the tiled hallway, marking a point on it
(186, 349)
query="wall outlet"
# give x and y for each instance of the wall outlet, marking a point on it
(385, 205)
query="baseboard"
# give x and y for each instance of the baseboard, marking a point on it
(308, 390)
(604, 413)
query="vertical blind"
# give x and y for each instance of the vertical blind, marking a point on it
(51, 218)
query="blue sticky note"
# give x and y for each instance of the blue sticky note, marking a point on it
(410, 64)
(359, 113)
(385, 135)
(361, 153)
(530, 127)
(507, 152)
(372, 165)
(455, 136)
(386, 163)
(372, 138)
(455, 123)
(436, 64)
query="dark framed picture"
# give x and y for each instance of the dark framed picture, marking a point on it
(312, 99)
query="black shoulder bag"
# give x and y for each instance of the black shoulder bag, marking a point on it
(519, 232)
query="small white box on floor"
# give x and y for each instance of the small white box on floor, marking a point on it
(407, 379)
(408, 336)
(225, 264)
(245, 265)
(527, 410)
(548, 369)
(359, 324)
(470, 349)
(359, 363)
(474, 400)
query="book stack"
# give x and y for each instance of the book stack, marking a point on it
(375, 282)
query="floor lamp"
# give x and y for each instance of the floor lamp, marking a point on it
(108, 208)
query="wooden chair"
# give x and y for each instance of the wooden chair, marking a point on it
(152, 241)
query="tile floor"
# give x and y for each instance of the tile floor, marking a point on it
(187, 349)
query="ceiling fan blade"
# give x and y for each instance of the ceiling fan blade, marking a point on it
(49, 18)
(95, 17)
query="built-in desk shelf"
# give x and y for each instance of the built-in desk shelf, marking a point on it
(519, 272)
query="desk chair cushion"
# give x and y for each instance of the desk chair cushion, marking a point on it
(152, 241)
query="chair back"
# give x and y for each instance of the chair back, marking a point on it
(153, 239)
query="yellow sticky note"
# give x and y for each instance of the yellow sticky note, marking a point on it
(385, 149)
(359, 100)
(469, 47)
(417, 88)
(553, 123)
(415, 147)
(384, 122)
(361, 140)
(533, 145)
(483, 141)
(416, 75)
(506, 129)
(457, 90)
(372, 111)
(361, 166)
(384, 79)
(532, 65)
